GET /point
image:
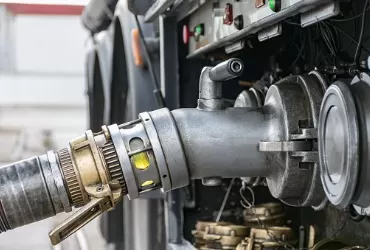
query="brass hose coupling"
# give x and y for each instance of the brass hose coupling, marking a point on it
(93, 178)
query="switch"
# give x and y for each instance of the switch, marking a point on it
(186, 34)
(275, 5)
(259, 3)
(228, 15)
(196, 33)
(238, 22)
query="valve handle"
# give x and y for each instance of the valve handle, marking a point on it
(79, 219)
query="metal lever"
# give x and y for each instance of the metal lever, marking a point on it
(79, 219)
(103, 198)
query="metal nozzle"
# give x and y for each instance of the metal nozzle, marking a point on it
(226, 70)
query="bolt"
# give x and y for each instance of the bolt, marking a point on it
(228, 15)
(99, 188)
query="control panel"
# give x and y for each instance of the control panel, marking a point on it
(221, 23)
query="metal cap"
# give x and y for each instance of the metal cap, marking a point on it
(338, 136)
(360, 88)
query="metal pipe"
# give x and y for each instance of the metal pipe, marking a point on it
(226, 70)
(211, 78)
(223, 143)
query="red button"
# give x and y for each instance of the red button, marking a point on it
(228, 16)
(186, 34)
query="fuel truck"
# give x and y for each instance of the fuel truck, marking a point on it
(229, 124)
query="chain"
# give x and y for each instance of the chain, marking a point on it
(250, 204)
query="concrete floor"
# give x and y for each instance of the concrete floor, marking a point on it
(35, 237)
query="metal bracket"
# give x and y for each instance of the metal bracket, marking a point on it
(285, 146)
(157, 9)
(270, 32)
(320, 13)
(306, 133)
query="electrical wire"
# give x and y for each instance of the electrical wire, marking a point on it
(300, 52)
(315, 47)
(350, 18)
(156, 90)
(323, 45)
(358, 49)
(226, 197)
(349, 37)
(330, 37)
(353, 34)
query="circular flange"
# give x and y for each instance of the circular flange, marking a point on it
(251, 98)
(360, 88)
(338, 136)
(158, 152)
(124, 160)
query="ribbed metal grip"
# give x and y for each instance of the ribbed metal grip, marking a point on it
(70, 178)
(114, 167)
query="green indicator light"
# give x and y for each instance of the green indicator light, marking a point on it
(199, 29)
(272, 4)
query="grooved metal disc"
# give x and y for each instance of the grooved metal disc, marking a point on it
(338, 137)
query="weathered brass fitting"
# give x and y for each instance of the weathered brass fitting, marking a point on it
(87, 168)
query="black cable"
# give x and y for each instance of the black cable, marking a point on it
(351, 38)
(300, 52)
(348, 36)
(156, 90)
(353, 34)
(326, 43)
(358, 49)
(327, 40)
(350, 18)
(332, 40)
